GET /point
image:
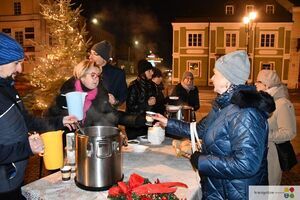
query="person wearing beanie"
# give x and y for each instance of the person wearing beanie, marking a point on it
(187, 92)
(15, 123)
(114, 78)
(282, 123)
(141, 97)
(234, 133)
(157, 78)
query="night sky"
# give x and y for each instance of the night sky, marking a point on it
(148, 21)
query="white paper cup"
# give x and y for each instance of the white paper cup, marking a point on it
(66, 173)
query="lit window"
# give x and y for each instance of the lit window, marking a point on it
(249, 9)
(231, 39)
(270, 9)
(194, 39)
(267, 40)
(194, 66)
(17, 8)
(229, 10)
(19, 37)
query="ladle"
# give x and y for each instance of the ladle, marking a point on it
(79, 127)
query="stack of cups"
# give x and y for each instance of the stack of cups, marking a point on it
(70, 150)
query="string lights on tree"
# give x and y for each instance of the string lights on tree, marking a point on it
(67, 47)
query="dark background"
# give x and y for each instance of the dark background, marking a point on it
(148, 21)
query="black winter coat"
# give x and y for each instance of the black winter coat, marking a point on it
(15, 123)
(190, 98)
(139, 91)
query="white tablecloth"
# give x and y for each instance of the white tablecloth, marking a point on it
(157, 162)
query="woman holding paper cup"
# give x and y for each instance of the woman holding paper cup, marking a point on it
(16, 122)
(234, 134)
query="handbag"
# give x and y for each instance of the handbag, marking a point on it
(286, 155)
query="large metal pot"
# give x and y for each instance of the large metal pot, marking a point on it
(184, 113)
(188, 114)
(98, 158)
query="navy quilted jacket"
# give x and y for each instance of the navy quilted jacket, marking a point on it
(234, 136)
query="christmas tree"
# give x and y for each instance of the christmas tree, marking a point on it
(67, 47)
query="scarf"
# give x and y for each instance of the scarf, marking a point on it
(187, 87)
(91, 95)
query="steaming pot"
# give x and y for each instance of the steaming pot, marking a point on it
(98, 158)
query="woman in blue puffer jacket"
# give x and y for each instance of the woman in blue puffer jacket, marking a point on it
(234, 133)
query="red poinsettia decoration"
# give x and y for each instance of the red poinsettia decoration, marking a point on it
(139, 188)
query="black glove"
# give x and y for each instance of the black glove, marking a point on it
(194, 159)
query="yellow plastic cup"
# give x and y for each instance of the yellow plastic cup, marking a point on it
(53, 150)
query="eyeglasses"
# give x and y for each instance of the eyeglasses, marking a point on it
(94, 75)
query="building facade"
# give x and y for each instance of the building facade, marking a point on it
(198, 42)
(22, 20)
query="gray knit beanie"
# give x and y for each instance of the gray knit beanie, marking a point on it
(103, 49)
(234, 66)
(269, 78)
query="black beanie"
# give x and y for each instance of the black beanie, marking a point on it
(156, 72)
(143, 65)
(103, 49)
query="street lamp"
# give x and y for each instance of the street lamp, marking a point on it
(248, 21)
(95, 21)
(136, 43)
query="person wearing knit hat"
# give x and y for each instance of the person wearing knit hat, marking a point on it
(187, 92)
(15, 123)
(235, 67)
(282, 123)
(234, 134)
(143, 66)
(114, 78)
(10, 50)
(269, 78)
(102, 49)
(141, 97)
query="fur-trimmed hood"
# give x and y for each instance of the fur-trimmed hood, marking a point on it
(251, 98)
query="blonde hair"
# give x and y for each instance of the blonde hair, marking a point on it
(81, 68)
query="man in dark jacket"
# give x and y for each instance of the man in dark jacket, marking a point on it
(15, 123)
(114, 79)
(141, 97)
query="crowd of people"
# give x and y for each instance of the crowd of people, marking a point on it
(238, 134)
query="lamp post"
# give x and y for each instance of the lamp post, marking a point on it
(248, 21)
(135, 44)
